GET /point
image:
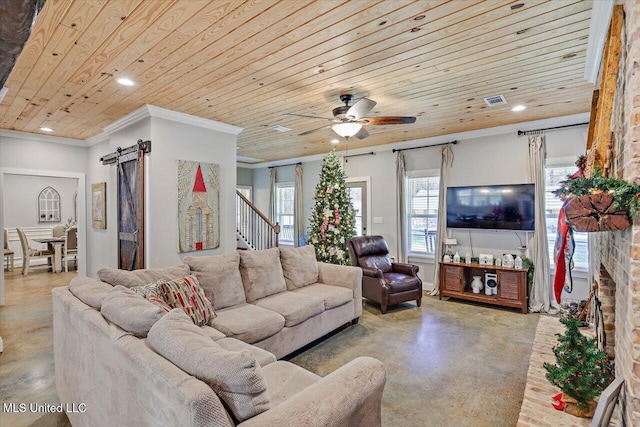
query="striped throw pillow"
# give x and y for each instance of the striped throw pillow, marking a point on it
(159, 301)
(187, 294)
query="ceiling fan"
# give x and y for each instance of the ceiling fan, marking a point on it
(348, 120)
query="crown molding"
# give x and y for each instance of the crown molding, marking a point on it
(163, 113)
(97, 139)
(8, 133)
(479, 133)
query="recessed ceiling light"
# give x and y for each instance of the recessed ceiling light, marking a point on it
(518, 108)
(46, 129)
(334, 141)
(126, 82)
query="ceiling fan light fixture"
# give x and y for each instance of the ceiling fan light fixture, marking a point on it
(347, 129)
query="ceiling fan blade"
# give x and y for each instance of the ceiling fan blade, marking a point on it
(309, 117)
(362, 133)
(313, 130)
(390, 120)
(360, 108)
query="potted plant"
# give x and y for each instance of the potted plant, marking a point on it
(581, 371)
(528, 264)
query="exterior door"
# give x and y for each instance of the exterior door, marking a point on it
(358, 195)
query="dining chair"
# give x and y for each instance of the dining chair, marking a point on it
(8, 253)
(58, 231)
(70, 248)
(29, 253)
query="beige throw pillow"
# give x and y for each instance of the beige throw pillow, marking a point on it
(143, 277)
(236, 377)
(261, 273)
(131, 311)
(219, 276)
(299, 266)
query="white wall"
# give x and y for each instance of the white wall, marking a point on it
(170, 141)
(196, 144)
(244, 176)
(21, 199)
(497, 159)
(102, 244)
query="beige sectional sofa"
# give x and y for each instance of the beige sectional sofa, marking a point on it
(267, 303)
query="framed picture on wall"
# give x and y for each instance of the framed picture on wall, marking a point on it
(99, 205)
(198, 206)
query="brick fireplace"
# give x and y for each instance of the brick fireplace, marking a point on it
(616, 255)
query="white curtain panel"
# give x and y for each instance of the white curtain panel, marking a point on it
(298, 208)
(446, 162)
(540, 292)
(272, 194)
(401, 218)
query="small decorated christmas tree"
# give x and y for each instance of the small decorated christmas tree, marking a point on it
(581, 370)
(332, 216)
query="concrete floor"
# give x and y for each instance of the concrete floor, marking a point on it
(449, 363)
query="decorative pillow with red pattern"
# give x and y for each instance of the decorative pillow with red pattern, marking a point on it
(187, 294)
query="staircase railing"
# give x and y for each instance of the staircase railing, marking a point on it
(254, 227)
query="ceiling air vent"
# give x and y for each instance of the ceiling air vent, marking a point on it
(492, 101)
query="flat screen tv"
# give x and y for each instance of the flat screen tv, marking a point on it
(491, 207)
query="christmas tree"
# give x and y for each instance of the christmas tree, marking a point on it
(332, 217)
(581, 370)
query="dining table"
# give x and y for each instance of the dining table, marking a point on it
(56, 244)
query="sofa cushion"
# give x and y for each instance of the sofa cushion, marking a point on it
(219, 276)
(299, 266)
(89, 291)
(284, 380)
(333, 296)
(143, 277)
(187, 294)
(262, 356)
(248, 323)
(236, 377)
(212, 333)
(130, 311)
(261, 273)
(294, 307)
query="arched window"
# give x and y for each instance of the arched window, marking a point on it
(49, 205)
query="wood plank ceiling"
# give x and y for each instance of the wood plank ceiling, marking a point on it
(247, 63)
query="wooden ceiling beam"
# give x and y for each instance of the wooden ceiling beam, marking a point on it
(599, 153)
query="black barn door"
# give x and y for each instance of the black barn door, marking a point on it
(130, 162)
(131, 211)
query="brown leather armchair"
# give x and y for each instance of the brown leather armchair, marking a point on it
(383, 281)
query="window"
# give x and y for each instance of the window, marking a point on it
(553, 176)
(284, 211)
(246, 191)
(422, 213)
(357, 191)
